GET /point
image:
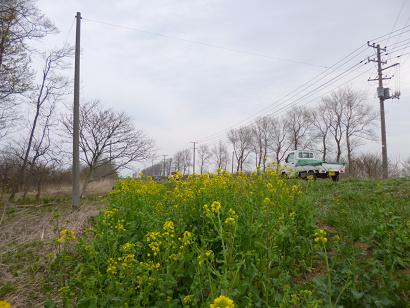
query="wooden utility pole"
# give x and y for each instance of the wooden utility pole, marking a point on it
(76, 118)
(383, 94)
(193, 162)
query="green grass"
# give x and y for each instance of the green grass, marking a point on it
(372, 217)
(262, 248)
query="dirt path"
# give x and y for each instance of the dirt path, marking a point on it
(27, 246)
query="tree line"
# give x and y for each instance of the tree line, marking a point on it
(335, 128)
(35, 128)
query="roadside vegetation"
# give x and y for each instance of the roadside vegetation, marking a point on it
(249, 241)
(29, 231)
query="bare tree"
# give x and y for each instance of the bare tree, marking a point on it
(406, 167)
(358, 121)
(43, 99)
(241, 140)
(298, 122)
(20, 21)
(260, 140)
(156, 169)
(8, 116)
(334, 109)
(9, 165)
(369, 165)
(279, 139)
(220, 155)
(43, 158)
(110, 137)
(204, 154)
(182, 161)
(168, 166)
(321, 123)
(366, 165)
(186, 161)
(178, 158)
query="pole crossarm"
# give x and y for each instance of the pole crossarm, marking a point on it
(377, 79)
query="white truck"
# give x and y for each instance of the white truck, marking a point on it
(309, 164)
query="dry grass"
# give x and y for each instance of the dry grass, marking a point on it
(27, 233)
(27, 247)
(94, 188)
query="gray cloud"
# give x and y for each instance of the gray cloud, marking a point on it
(178, 91)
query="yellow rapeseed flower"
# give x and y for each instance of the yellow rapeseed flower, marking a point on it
(230, 221)
(321, 236)
(152, 236)
(112, 266)
(216, 206)
(119, 227)
(187, 299)
(110, 213)
(222, 301)
(127, 247)
(66, 236)
(200, 260)
(4, 304)
(151, 266)
(154, 248)
(168, 226)
(186, 238)
(128, 261)
(209, 254)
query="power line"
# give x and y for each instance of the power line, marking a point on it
(295, 102)
(282, 100)
(69, 32)
(209, 45)
(281, 113)
(304, 86)
(399, 42)
(393, 36)
(397, 17)
(397, 33)
(389, 34)
(397, 50)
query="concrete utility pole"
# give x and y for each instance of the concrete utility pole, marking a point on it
(193, 161)
(383, 94)
(76, 118)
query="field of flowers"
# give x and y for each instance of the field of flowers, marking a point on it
(247, 241)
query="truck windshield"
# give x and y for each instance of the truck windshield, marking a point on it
(305, 155)
(290, 158)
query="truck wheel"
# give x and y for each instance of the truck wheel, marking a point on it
(311, 175)
(335, 178)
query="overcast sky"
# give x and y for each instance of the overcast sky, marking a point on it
(179, 91)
